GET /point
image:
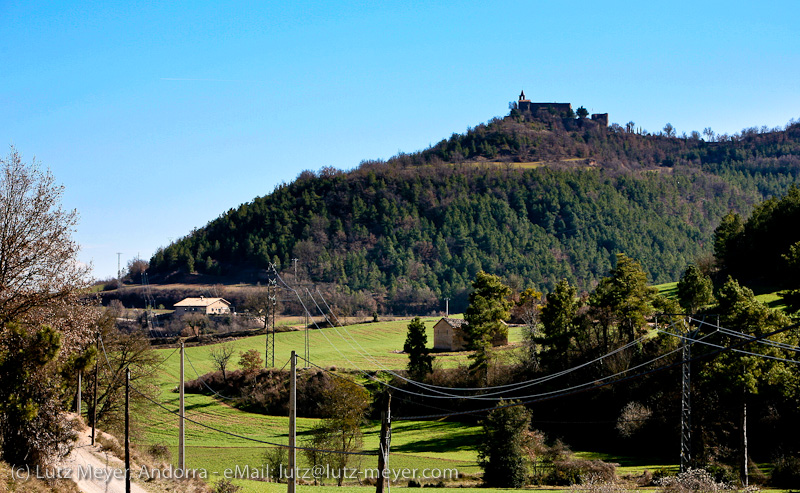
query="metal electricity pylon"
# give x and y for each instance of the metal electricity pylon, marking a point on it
(686, 400)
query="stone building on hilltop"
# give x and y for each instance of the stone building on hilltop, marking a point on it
(563, 110)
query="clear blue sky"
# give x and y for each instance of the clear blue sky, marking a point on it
(159, 118)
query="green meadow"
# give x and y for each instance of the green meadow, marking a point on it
(352, 349)
(368, 346)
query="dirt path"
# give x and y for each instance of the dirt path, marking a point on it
(97, 471)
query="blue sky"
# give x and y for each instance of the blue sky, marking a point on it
(159, 117)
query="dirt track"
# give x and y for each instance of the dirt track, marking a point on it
(97, 471)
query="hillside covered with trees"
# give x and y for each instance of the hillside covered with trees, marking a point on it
(535, 199)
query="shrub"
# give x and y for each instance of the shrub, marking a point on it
(159, 451)
(595, 484)
(502, 454)
(250, 361)
(226, 486)
(786, 473)
(276, 460)
(573, 471)
(690, 481)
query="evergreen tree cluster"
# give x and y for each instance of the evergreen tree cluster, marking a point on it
(421, 226)
(766, 247)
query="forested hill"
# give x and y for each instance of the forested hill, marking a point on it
(532, 199)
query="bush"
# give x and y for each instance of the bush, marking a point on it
(594, 484)
(574, 471)
(786, 473)
(690, 481)
(250, 361)
(226, 486)
(502, 454)
(159, 451)
(276, 460)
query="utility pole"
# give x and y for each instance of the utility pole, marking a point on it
(744, 439)
(292, 480)
(307, 348)
(127, 430)
(181, 425)
(686, 401)
(274, 307)
(94, 399)
(78, 403)
(295, 268)
(383, 446)
(447, 307)
(119, 266)
(269, 357)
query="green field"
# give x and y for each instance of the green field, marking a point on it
(369, 346)
(365, 346)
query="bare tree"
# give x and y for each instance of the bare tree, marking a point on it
(137, 267)
(45, 330)
(221, 357)
(38, 263)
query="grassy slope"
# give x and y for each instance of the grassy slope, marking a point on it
(415, 444)
(769, 298)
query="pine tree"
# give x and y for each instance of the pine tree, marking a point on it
(695, 290)
(488, 308)
(420, 362)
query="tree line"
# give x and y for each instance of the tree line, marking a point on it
(418, 227)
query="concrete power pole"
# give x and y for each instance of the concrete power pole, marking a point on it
(181, 425)
(292, 480)
(447, 307)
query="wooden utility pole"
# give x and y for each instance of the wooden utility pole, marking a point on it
(383, 446)
(746, 479)
(274, 306)
(127, 430)
(78, 398)
(272, 299)
(292, 480)
(94, 399)
(181, 428)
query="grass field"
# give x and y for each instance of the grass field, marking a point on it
(670, 290)
(368, 346)
(415, 445)
(767, 296)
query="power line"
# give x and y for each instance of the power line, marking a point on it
(242, 437)
(223, 431)
(630, 377)
(453, 396)
(203, 381)
(445, 395)
(776, 358)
